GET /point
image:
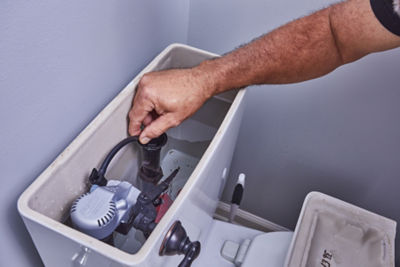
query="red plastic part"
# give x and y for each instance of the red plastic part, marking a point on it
(163, 207)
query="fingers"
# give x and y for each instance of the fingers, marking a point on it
(139, 114)
(148, 119)
(158, 127)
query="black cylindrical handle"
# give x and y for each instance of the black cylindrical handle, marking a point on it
(151, 152)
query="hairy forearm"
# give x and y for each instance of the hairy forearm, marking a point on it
(301, 50)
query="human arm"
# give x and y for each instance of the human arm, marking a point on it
(303, 49)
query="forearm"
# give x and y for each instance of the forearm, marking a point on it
(298, 51)
(301, 50)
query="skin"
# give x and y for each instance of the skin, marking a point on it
(304, 49)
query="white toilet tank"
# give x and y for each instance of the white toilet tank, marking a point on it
(204, 144)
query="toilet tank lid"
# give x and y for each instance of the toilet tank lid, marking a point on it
(331, 232)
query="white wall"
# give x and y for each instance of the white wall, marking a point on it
(61, 62)
(339, 134)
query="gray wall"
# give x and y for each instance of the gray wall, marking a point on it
(61, 62)
(339, 134)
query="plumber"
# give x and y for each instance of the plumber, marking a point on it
(304, 49)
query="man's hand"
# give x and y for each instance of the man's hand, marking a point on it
(164, 99)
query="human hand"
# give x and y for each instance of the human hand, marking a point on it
(164, 99)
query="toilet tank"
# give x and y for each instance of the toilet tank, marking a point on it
(203, 143)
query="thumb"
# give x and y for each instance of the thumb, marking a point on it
(158, 127)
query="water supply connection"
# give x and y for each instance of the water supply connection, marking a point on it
(150, 171)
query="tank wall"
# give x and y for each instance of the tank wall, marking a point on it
(67, 177)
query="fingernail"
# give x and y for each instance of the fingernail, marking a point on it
(144, 140)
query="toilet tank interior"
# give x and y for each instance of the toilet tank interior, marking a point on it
(67, 177)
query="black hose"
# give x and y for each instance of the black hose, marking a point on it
(151, 157)
(110, 156)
